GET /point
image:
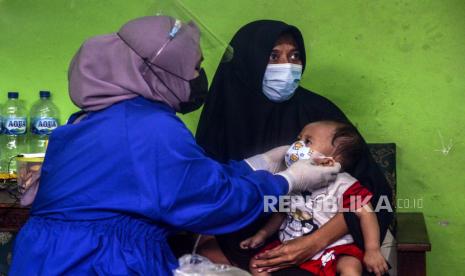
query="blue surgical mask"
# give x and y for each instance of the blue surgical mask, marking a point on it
(281, 81)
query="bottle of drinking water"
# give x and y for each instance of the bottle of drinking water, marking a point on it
(44, 119)
(1, 139)
(13, 139)
(1, 119)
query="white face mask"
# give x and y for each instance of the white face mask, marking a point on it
(298, 151)
(281, 80)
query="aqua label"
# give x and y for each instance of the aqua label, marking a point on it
(15, 125)
(43, 126)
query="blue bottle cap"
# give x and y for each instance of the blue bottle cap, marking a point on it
(13, 95)
(44, 94)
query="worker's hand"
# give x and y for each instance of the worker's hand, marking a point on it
(305, 175)
(254, 241)
(375, 262)
(272, 160)
(29, 178)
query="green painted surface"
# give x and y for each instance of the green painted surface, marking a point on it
(395, 67)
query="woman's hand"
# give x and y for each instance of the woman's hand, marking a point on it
(272, 160)
(304, 175)
(299, 250)
(29, 178)
(291, 253)
(375, 262)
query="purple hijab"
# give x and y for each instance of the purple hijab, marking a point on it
(107, 70)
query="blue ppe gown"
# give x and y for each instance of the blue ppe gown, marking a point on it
(114, 185)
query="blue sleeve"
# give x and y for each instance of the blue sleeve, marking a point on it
(237, 168)
(196, 193)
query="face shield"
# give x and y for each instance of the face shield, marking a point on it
(182, 22)
(177, 53)
(213, 47)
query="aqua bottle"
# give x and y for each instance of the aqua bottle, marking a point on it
(13, 140)
(44, 118)
(1, 139)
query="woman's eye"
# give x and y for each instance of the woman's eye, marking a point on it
(295, 56)
(274, 57)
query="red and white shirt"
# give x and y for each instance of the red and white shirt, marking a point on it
(311, 210)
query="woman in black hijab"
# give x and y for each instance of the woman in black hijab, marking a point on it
(239, 120)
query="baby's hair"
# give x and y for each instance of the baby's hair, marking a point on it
(348, 143)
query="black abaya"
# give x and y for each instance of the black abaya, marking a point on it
(238, 121)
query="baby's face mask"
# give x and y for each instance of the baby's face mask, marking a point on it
(297, 151)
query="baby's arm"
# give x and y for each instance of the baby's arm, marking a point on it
(373, 258)
(269, 229)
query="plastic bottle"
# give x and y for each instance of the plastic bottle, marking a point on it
(1, 119)
(44, 117)
(1, 139)
(13, 140)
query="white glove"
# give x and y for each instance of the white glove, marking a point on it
(272, 160)
(304, 175)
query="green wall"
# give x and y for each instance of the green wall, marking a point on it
(395, 67)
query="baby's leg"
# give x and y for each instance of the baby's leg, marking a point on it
(254, 271)
(349, 266)
(209, 248)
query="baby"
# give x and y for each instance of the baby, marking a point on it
(327, 142)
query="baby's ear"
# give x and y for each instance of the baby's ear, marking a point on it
(324, 161)
(338, 158)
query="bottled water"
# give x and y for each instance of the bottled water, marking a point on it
(1, 120)
(1, 139)
(13, 140)
(44, 117)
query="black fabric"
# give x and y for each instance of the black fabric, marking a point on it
(292, 271)
(199, 91)
(238, 121)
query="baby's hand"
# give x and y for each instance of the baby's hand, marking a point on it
(254, 241)
(375, 262)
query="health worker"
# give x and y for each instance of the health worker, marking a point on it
(125, 172)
